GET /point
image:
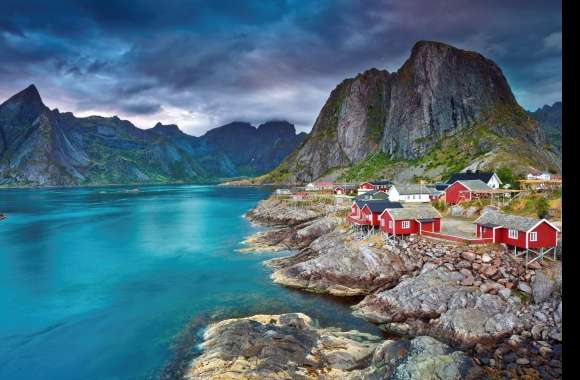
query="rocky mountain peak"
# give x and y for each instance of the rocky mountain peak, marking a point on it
(277, 127)
(166, 128)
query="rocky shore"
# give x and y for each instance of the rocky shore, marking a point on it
(290, 346)
(478, 299)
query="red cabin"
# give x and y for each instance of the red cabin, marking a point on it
(461, 191)
(368, 212)
(410, 220)
(517, 231)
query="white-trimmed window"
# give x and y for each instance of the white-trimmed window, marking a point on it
(533, 236)
(406, 224)
(513, 234)
(391, 224)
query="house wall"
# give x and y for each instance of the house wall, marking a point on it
(547, 236)
(414, 198)
(452, 193)
(413, 227)
(384, 223)
(484, 232)
(493, 182)
(393, 195)
(502, 236)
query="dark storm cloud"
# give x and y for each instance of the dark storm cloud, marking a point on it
(204, 63)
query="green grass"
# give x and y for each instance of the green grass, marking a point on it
(367, 169)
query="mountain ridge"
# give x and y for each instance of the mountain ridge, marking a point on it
(43, 147)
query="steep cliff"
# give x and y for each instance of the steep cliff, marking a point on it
(550, 118)
(438, 96)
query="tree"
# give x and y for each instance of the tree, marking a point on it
(542, 207)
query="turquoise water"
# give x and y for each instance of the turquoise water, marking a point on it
(97, 283)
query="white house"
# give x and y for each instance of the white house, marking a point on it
(540, 176)
(409, 193)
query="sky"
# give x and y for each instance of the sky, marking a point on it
(202, 64)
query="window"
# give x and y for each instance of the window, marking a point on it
(533, 236)
(513, 234)
(406, 224)
(390, 224)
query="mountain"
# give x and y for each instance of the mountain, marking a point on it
(39, 146)
(255, 150)
(550, 118)
(445, 109)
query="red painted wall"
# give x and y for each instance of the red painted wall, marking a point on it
(452, 193)
(485, 232)
(547, 236)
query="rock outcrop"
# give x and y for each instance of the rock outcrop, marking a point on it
(476, 298)
(290, 346)
(439, 92)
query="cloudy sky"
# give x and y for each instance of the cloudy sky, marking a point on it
(201, 64)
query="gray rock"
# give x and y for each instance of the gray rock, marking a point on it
(524, 287)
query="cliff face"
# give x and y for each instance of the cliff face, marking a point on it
(550, 118)
(437, 93)
(39, 146)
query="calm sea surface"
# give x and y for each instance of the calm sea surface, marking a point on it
(100, 283)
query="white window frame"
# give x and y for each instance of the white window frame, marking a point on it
(513, 234)
(406, 224)
(391, 224)
(533, 236)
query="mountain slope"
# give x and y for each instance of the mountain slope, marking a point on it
(39, 146)
(255, 150)
(550, 118)
(438, 93)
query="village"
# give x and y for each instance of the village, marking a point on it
(467, 209)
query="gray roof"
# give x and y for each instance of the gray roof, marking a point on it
(380, 205)
(415, 212)
(475, 185)
(373, 194)
(514, 222)
(467, 176)
(407, 189)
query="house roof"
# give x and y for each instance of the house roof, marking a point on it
(482, 176)
(475, 185)
(416, 212)
(407, 189)
(514, 222)
(381, 182)
(441, 186)
(372, 195)
(360, 203)
(381, 205)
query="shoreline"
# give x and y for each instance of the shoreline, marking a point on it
(508, 343)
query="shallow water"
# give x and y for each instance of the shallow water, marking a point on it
(96, 283)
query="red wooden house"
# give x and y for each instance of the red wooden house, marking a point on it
(368, 212)
(410, 220)
(460, 191)
(517, 231)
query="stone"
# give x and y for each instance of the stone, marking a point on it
(469, 256)
(505, 293)
(485, 258)
(262, 346)
(524, 287)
